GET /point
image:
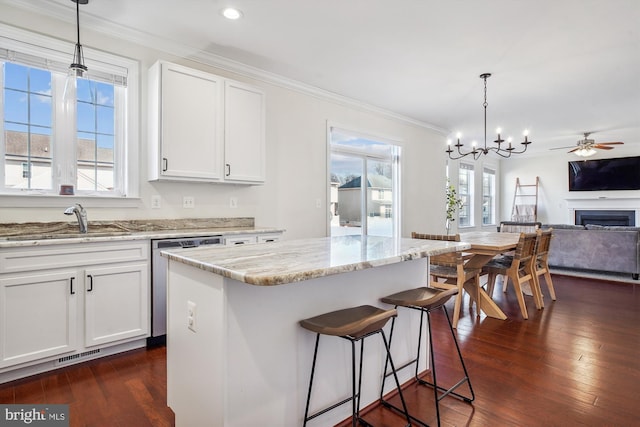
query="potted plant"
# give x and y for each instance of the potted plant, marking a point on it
(454, 204)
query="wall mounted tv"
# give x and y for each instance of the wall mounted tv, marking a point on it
(621, 173)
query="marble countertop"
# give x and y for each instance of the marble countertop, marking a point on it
(296, 260)
(57, 233)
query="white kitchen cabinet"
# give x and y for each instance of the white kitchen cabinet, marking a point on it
(203, 127)
(38, 315)
(244, 133)
(185, 124)
(116, 303)
(64, 301)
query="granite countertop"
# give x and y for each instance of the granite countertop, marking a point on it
(56, 233)
(296, 260)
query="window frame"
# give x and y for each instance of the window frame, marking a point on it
(126, 150)
(468, 196)
(396, 164)
(486, 170)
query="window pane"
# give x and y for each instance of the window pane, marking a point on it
(96, 136)
(86, 117)
(360, 144)
(488, 196)
(346, 200)
(40, 110)
(465, 192)
(27, 121)
(379, 198)
(16, 107)
(16, 76)
(105, 119)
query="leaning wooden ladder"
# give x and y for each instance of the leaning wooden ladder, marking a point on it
(525, 202)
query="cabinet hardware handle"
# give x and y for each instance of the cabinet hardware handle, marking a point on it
(90, 282)
(228, 169)
(71, 285)
(165, 164)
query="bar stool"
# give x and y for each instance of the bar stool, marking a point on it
(426, 300)
(353, 324)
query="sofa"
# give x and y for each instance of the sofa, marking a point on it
(596, 247)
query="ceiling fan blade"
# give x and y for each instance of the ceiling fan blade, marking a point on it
(562, 148)
(575, 149)
(602, 147)
(611, 143)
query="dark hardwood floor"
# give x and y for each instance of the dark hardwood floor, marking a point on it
(574, 363)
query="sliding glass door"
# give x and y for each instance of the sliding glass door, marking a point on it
(364, 188)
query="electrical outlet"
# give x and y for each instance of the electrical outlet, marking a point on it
(233, 202)
(191, 315)
(188, 202)
(155, 202)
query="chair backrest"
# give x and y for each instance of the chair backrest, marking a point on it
(446, 237)
(518, 227)
(544, 242)
(526, 249)
(452, 259)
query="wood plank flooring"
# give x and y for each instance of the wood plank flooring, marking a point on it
(574, 363)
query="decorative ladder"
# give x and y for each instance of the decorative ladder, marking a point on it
(525, 202)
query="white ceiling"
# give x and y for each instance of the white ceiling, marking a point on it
(560, 67)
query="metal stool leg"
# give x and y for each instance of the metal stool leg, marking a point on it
(313, 370)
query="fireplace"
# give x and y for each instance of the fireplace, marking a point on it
(606, 217)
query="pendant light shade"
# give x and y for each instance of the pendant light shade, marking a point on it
(77, 67)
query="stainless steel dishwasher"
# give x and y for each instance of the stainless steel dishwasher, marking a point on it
(159, 279)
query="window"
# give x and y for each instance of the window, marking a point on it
(58, 130)
(466, 193)
(364, 185)
(488, 196)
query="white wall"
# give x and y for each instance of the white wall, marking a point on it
(296, 157)
(552, 169)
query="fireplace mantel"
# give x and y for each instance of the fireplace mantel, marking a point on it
(603, 203)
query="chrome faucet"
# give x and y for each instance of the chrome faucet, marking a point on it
(81, 214)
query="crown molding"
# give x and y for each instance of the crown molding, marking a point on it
(115, 30)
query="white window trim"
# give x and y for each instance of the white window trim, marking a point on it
(58, 50)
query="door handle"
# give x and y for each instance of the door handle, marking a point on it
(228, 169)
(90, 277)
(71, 291)
(165, 164)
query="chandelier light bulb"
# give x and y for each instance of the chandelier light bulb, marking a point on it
(498, 131)
(448, 142)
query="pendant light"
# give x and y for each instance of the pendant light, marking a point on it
(77, 67)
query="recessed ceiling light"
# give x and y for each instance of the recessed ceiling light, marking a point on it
(231, 13)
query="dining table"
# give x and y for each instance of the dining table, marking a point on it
(485, 245)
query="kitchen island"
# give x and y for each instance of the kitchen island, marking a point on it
(236, 355)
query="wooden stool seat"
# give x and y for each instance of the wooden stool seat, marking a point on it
(353, 322)
(427, 298)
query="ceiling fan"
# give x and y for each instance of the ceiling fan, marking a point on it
(587, 147)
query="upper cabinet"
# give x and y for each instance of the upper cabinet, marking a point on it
(203, 127)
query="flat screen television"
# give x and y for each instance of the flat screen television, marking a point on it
(621, 173)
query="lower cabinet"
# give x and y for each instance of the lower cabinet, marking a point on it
(38, 316)
(96, 296)
(116, 303)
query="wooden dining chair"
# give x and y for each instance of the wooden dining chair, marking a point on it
(451, 268)
(518, 270)
(541, 264)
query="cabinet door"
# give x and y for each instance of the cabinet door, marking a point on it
(116, 303)
(191, 124)
(244, 133)
(37, 315)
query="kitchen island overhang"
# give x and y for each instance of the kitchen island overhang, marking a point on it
(248, 360)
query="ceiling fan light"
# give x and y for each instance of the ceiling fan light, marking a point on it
(585, 152)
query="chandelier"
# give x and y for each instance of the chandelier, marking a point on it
(478, 151)
(77, 67)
